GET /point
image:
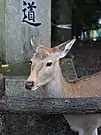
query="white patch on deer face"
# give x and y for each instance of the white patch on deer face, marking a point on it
(35, 88)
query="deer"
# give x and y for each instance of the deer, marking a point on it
(46, 73)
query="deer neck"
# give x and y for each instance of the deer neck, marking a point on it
(54, 88)
(59, 87)
(81, 88)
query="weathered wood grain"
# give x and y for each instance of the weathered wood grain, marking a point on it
(53, 106)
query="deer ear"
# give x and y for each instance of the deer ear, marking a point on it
(62, 49)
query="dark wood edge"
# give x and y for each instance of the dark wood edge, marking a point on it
(2, 86)
(53, 105)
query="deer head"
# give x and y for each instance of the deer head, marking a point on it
(45, 63)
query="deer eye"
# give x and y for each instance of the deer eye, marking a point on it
(30, 62)
(48, 64)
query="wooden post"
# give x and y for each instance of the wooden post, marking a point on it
(2, 86)
(53, 105)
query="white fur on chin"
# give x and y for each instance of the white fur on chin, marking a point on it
(35, 88)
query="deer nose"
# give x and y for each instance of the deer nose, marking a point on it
(29, 85)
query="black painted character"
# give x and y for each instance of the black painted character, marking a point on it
(29, 13)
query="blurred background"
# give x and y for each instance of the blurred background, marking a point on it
(83, 19)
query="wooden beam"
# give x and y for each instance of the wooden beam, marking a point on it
(53, 106)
